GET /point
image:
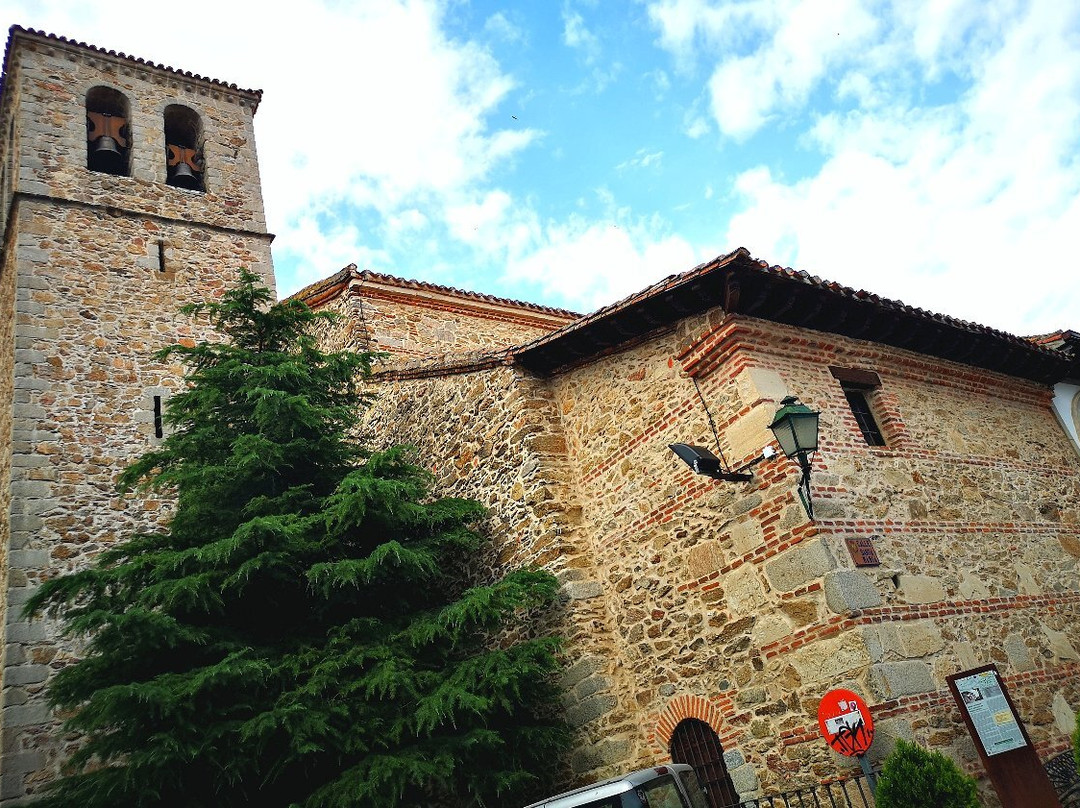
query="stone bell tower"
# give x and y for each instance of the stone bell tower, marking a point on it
(126, 190)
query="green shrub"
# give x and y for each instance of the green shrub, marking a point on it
(915, 778)
(1076, 742)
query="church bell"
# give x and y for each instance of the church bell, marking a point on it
(105, 135)
(184, 168)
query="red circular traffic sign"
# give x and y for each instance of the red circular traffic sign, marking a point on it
(845, 722)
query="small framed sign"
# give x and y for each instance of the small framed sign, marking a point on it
(863, 552)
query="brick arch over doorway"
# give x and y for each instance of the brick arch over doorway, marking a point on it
(698, 721)
(695, 742)
(711, 711)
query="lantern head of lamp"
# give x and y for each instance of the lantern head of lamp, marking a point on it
(796, 429)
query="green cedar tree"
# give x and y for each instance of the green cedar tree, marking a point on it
(913, 777)
(294, 636)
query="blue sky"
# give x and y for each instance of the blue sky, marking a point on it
(572, 152)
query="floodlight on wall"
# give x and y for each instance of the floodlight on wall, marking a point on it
(702, 461)
(796, 429)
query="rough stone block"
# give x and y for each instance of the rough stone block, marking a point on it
(1064, 715)
(921, 589)
(584, 667)
(585, 759)
(744, 590)
(965, 655)
(770, 628)
(704, 558)
(613, 750)
(746, 537)
(1018, 653)
(23, 762)
(880, 639)
(733, 758)
(29, 559)
(800, 565)
(745, 779)
(1059, 644)
(1026, 582)
(755, 384)
(11, 786)
(891, 679)
(26, 715)
(886, 734)
(591, 685)
(828, 661)
(919, 638)
(972, 586)
(583, 590)
(750, 433)
(590, 709)
(15, 695)
(848, 590)
(21, 631)
(25, 674)
(26, 521)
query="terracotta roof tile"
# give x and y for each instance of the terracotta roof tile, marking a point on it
(313, 290)
(15, 30)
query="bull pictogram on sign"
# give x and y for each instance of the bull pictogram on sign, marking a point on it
(845, 722)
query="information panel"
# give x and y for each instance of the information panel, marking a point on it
(993, 719)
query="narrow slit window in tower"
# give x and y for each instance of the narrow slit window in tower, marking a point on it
(159, 427)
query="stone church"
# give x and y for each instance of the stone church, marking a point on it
(705, 617)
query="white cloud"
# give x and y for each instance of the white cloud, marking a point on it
(577, 36)
(369, 103)
(643, 158)
(952, 204)
(597, 263)
(499, 25)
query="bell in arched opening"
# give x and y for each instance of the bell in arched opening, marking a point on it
(107, 137)
(184, 166)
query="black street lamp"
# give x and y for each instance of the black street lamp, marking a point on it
(796, 429)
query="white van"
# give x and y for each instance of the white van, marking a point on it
(672, 786)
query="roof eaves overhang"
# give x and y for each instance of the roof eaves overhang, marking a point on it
(739, 284)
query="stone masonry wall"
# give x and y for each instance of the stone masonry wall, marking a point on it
(98, 266)
(411, 326)
(7, 378)
(53, 81)
(495, 435)
(732, 607)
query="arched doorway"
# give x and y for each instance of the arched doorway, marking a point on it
(694, 742)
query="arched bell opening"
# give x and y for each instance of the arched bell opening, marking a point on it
(184, 167)
(694, 742)
(108, 132)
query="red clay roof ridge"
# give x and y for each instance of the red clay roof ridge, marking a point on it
(394, 280)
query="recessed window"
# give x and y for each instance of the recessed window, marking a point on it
(108, 135)
(184, 166)
(864, 417)
(858, 385)
(159, 425)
